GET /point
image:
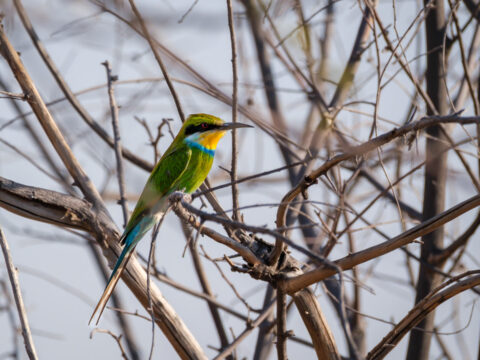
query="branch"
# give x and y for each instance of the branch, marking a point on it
(117, 338)
(72, 99)
(233, 172)
(361, 150)
(421, 310)
(179, 208)
(47, 206)
(316, 324)
(281, 325)
(204, 282)
(151, 42)
(249, 328)
(49, 126)
(118, 145)
(17, 294)
(301, 281)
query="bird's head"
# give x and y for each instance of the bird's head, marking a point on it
(206, 130)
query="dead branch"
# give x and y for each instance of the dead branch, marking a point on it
(17, 295)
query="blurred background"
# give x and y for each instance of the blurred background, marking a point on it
(59, 276)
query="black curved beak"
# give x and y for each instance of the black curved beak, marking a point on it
(230, 126)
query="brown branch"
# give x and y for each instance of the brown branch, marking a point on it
(316, 324)
(64, 210)
(459, 242)
(97, 128)
(17, 294)
(233, 171)
(249, 328)
(116, 136)
(229, 224)
(117, 338)
(362, 149)
(421, 310)
(265, 338)
(281, 325)
(301, 281)
(207, 289)
(153, 47)
(46, 205)
(48, 123)
(179, 209)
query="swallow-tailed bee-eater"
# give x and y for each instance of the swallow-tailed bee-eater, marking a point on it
(183, 167)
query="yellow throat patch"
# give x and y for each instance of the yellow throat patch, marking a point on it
(210, 139)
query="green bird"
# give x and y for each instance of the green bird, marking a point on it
(183, 167)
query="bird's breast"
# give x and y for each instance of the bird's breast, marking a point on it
(198, 168)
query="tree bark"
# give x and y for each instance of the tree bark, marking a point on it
(435, 176)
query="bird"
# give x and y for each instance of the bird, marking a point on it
(183, 167)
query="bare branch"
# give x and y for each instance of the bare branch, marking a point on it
(421, 310)
(150, 41)
(249, 328)
(311, 277)
(364, 148)
(17, 294)
(47, 122)
(97, 128)
(281, 325)
(118, 145)
(117, 338)
(233, 171)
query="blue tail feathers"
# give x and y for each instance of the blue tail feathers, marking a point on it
(129, 240)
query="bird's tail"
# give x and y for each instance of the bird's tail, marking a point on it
(116, 273)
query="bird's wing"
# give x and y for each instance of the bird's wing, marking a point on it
(160, 183)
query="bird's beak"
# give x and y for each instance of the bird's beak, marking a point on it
(236, 125)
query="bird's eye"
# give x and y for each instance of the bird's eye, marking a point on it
(204, 125)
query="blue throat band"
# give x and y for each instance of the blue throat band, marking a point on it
(200, 147)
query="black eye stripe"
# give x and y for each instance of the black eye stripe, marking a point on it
(192, 129)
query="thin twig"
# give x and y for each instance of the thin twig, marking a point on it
(362, 149)
(233, 171)
(117, 139)
(299, 282)
(117, 338)
(436, 297)
(10, 95)
(151, 255)
(17, 294)
(70, 96)
(48, 123)
(249, 328)
(150, 41)
(205, 283)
